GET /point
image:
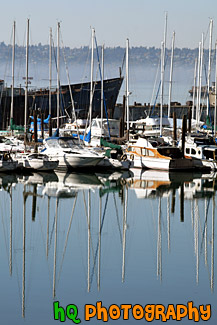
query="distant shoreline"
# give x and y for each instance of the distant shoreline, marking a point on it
(139, 55)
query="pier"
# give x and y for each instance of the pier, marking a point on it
(139, 110)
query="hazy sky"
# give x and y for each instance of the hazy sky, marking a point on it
(142, 21)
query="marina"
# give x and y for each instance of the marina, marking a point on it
(108, 205)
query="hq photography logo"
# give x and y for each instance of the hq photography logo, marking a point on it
(137, 312)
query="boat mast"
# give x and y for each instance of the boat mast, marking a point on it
(194, 90)
(201, 72)
(162, 80)
(58, 75)
(215, 93)
(12, 86)
(198, 84)
(163, 55)
(50, 70)
(102, 89)
(171, 74)
(127, 86)
(91, 75)
(209, 65)
(26, 89)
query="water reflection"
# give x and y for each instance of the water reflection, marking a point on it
(51, 203)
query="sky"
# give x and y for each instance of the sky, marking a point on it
(142, 21)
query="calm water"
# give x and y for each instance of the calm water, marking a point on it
(127, 238)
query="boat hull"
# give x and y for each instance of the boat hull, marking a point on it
(7, 166)
(162, 164)
(68, 161)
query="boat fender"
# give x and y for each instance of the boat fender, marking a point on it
(132, 156)
(124, 157)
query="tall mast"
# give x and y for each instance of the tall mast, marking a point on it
(58, 75)
(127, 85)
(171, 74)
(209, 66)
(194, 90)
(198, 84)
(162, 81)
(12, 86)
(91, 75)
(50, 70)
(26, 89)
(201, 72)
(102, 88)
(215, 92)
(164, 51)
(165, 34)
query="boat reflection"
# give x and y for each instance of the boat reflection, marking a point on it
(92, 198)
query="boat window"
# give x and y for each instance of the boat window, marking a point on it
(150, 153)
(52, 143)
(138, 151)
(208, 154)
(94, 123)
(187, 150)
(66, 143)
(193, 151)
(172, 152)
(63, 143)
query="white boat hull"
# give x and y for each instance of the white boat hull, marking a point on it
(162, 164)
(68, 161)
(35, 164)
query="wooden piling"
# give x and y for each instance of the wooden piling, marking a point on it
(50, 127)
(189, 119)
(183, 134)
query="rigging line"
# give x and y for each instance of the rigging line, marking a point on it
(118, 221)
(207, 94)
(152, 110)
(59, 84)
(85, 131)
(123, 61)
(155, 83)
(101, 86)
(205, 224)
(67, 237)
(70, 90)
(85, 207)
(97, 248)
(52, 231)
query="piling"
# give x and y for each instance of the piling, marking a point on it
(189, 119)
(182, 203)
(35, 129)
(50, 127)
(173, 201)
(183, 134)
(174, 128)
